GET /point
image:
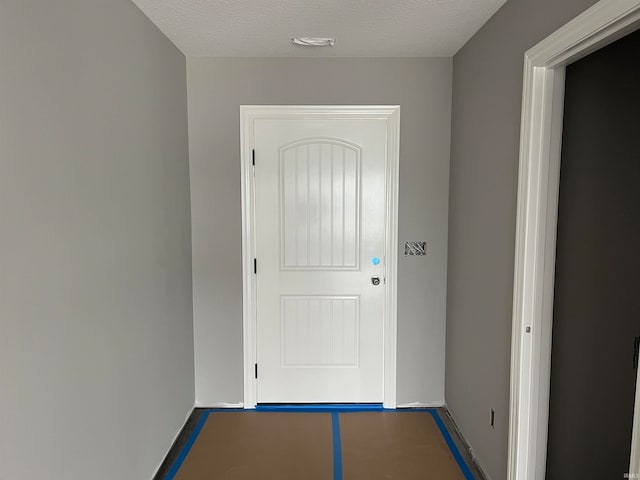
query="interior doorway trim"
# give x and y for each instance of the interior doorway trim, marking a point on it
(538, 183)
(248, 115)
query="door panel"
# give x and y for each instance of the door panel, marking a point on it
(320, 198)
(320, 205)
(320, 331)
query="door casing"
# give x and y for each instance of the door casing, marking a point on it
(248, 115)
(536, 225)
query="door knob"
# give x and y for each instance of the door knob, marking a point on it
(375, 280)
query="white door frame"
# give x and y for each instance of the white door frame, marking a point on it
(538, 182)
(248, 115)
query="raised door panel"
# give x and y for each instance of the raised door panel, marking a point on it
(320, 205)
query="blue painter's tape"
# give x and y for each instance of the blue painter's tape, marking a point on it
(323, 408)
(337, 447)
(452, 446)
(187, 447)
(335, 410)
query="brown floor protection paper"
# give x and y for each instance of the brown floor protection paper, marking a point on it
(395, 446)
(262, 446)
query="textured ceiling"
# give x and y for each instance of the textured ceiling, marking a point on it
(362, 28)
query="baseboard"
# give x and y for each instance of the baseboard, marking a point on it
(437, 404)
(219, 405)
(173, 441)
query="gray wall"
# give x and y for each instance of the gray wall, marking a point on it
(96, 339)
(217, 88)
(487, 96)
(597, 278)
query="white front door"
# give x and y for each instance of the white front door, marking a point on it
(320, 248)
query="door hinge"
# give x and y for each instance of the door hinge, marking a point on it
(253, 157)
(256, 369)
(255, 266)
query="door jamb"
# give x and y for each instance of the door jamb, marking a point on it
(248, 115)
(534, 264)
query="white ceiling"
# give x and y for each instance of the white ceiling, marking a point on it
(362, 28)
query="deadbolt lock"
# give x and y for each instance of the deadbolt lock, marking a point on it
(375, 280)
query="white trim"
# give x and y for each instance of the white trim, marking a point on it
(534, 265)
(422, 405)
(220, 405)
(248, 114)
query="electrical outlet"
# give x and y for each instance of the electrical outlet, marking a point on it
(492, 417)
